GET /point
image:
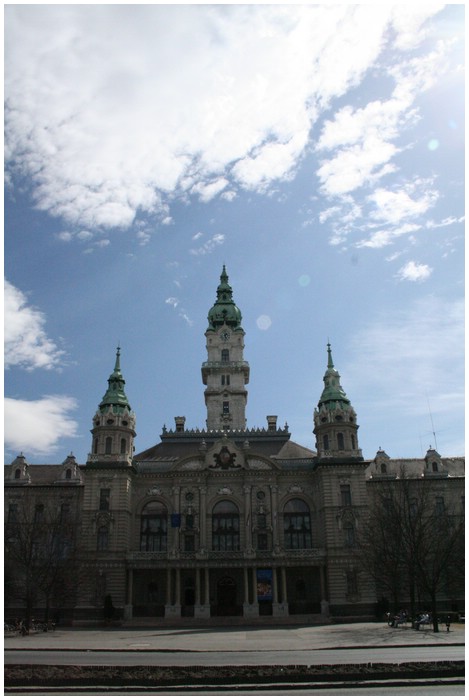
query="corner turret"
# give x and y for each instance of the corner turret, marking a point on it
(114, 423)
(335, 421)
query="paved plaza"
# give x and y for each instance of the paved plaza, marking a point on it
(291, 637)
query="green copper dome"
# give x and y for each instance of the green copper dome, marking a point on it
(332, 391)
(224, 310)
(115, 398)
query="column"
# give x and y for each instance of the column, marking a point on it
(203, 519)
(274, 586)
(324, 601)
(247, 518)
(173, 609)
(284, 585)
(280, 609)
(202, 609)
(197, 587)
(128, 607)
(250, 609)
(275, 541)
(177, 510)
(246, 586)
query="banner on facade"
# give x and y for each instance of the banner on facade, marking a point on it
(264, 584)
(175, 519)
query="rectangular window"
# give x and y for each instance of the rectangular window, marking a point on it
(262, 541)
(226, 408)
(190, 521)
(345, 495)
(64, 512)
(103, 539)
(261, 520)
(104, 499)
(439, 505)
(349, 535)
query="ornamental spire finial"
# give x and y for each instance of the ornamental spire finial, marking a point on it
(117, 367)
(330, 362)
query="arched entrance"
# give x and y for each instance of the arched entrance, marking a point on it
(226, 596)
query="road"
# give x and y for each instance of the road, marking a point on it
(407, 690)
(235, 657)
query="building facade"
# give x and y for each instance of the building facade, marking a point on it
(223, 521)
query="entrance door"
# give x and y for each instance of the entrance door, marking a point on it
(226, 596)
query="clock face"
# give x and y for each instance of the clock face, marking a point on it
(225, 335)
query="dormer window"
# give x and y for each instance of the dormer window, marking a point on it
(434, 466)
(18, 474)
(68, 474)
(383, 469)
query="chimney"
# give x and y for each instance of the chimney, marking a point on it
(271, 423)
(180, 420)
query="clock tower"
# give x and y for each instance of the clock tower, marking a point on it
(225, 373)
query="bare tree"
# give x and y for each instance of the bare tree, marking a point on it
(42, 563)
(412, 541)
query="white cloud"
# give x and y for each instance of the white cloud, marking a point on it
(114, 110)
(414, 272)
(172, 301)
(394, 206)
(209, 246)
(37, 426)
(26, 342)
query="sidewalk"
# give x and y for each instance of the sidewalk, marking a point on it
(295, 637)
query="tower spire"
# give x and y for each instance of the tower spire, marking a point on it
(115, 396)
(224, 311)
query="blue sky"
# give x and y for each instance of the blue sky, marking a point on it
(316, 150)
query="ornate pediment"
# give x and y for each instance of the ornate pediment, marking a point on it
(225, 455)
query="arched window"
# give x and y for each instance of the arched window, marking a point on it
(108, 448)
(296, 525)
(123, 446)
(225, 527)
(435, 466)
(154, 528)
(96, 446)
(325, 442)
(383, 468)
(340, 441)
(103, 539)
(352, 437)
(68, 474)
(17, 473)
